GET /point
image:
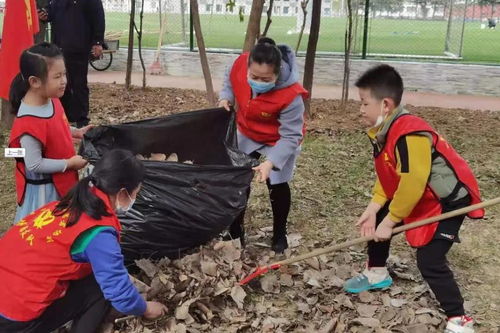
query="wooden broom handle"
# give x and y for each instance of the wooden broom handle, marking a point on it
(405, 227)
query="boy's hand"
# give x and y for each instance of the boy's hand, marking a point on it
(263, 169)
(367, 223)
(384, 230)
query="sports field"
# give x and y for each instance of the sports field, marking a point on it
(387, 36)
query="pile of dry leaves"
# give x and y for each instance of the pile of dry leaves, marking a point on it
(160, 157)
(202, 293)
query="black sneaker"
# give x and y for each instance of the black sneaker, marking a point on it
(279, 244)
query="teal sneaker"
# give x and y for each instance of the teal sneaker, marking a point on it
(380, 280)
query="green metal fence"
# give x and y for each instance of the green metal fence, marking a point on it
(459, 30)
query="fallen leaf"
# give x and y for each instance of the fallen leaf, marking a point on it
(209, 268)
(386, 300)
(286, 280)
(329, 327)
(303, 307)
(395, 291)
(313, 262)
(158, 157)
(238, 295)
(293, 240)
(369, 322)
(366, 310)
(417, 328)
(147, 267)
(270, 284)
(182, 312)
(397, 302)
(366, 297)
(344, 301)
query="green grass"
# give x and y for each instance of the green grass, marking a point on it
(391, 36)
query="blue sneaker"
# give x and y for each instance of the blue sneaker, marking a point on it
(375, 278)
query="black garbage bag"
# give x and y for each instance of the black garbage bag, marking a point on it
(180, 206)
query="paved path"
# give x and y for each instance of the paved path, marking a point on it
(320, 91)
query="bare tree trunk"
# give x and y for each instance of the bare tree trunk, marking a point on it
(269, 20)
(311, 52)
(159, 11)
(347, 55)
(183, 21)
(448, 29)
(7, 117)
(203, 54)
(139, 38)
(253, 28)
(303, 5)
(130, 55)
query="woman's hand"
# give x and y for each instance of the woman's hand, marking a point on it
(263, 170)
(224, 103)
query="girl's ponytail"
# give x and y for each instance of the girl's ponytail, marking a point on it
(18, 89)
(81, 200)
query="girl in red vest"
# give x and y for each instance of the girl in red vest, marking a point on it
(63, 262)
(419, 175)
(49, 166)
(263, 87)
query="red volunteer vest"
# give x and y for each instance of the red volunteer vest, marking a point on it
(36, 265)
(429, 205)
(55, 137)
(257, 118)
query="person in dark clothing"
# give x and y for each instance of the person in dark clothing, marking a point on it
(78, 29)
(40, 36)
(492, 24)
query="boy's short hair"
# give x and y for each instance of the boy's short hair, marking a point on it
(383, 81)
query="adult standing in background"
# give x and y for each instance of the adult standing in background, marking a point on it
(40, 36)
(78, 29)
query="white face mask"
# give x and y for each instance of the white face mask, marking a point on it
(123, 210)
(381, 117)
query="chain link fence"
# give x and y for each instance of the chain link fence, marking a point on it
(430, 29)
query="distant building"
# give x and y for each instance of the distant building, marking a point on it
(280, 7)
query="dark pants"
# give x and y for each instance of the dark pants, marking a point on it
(83, 303)
(431, 258)
(76, 96)
(280, 197)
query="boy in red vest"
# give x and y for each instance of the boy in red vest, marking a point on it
(418, 175)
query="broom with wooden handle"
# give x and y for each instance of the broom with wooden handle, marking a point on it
(264, 269)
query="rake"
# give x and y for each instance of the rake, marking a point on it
(261, 270)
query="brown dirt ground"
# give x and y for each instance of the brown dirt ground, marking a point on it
(334, 176)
